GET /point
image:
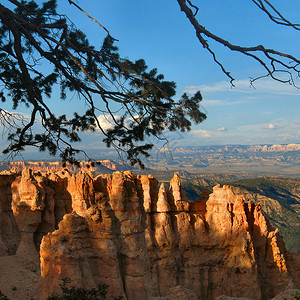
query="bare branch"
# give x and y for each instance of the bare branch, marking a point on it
(76, 5)
(270, 56)
(279, 19)
(10, 121)
(194, 6)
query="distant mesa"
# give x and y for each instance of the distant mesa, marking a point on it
(276, 148)
(238, 148)
(105, 166)
(280, 159)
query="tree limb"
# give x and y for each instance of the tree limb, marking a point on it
(271, 56)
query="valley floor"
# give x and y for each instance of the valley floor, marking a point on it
(16, 281)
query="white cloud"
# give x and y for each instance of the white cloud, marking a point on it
(222, 129)
(208, 102)
(222, 102)
(106, 121)
(216, 87)
(271, 126)
(268, 113)
(286, 136)
(244, 86)
(200, 133)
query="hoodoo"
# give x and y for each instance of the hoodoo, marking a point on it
(144, 240)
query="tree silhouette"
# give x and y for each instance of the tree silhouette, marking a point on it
(138, 102)
(32, 36)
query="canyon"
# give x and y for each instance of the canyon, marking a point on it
(282, 160)
(143, 239)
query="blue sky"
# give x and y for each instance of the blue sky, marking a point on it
(159, 32)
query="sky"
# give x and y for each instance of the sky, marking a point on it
(159, 32)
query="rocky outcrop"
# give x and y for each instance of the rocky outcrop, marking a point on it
(9, 234)
(28, 202)
(142, 239)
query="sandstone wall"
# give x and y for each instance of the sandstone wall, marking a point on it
(141, 238)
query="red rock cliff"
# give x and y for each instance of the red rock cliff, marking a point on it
(140, 238)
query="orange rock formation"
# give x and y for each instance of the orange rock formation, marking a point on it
(56, 166)
(140, 238)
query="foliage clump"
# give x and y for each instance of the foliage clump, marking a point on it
(297, 295)
(72, 293)
(41, 50)
(2, 296)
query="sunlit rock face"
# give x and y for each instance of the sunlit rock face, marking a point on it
(141, 238)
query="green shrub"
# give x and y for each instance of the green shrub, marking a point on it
(2, 296)
(297, 295)
(73, 293)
